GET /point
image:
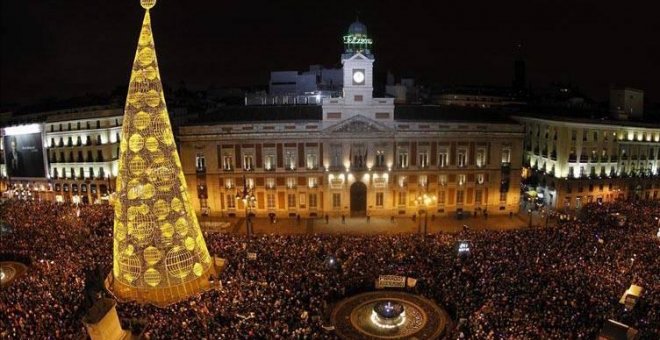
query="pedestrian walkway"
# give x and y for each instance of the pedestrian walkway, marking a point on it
(380, 225)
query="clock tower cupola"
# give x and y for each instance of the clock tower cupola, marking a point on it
(357, 61)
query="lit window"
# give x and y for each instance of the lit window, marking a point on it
(403, 159)
(336, 200)
(379, 199)
(443, 158)
(270, 183)
(461, 157)
(460, 196)
(312, 182)
(290, 182)
(269, 162)
(311, 161)
(423, 159)
(200, 162)
(231, 203)
(247, 162)
(290, 160)
(506, 155)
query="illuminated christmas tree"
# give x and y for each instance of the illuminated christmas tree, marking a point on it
(160, 255)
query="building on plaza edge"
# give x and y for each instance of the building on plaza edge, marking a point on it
(353, 155)
(579, 161)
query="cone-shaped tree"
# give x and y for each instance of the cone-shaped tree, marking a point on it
(160, 255)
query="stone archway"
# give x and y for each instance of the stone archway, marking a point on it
(358, 199)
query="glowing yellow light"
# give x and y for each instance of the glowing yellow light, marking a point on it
(152, 255)
(157, 242)
(152, 277)
(148, 4)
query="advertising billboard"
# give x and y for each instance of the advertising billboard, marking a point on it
(24, 151)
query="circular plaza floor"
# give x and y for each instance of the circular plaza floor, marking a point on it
(10, 271)
(355, 318)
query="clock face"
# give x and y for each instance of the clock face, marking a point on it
(358, 76)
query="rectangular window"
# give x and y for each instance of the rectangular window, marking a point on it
(248, 162)
(231, 203)
(336, 200)
(270, 183)
(358, 98)
(460, 196)
(200, 162)
(311, 161)
(460, 179)
(270, 201)
(380, 158)
(312, 182)
(336, 152)
(423, 181)
(443, 158)
(506, 155)
(227, 161)
(441, 197)
(290, 182)
(461, 158)
(290, 160)
(291, 201)
(423, 159)
(402, 198)
(403, 159)
(480, 178)
(442, 179)
(269, 162)
(312, 200)
(502, 196)
(480, 159)
(477, 196)
(379, 199)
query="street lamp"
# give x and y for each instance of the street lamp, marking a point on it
(425, 201)
(532, 205)
(247, 196)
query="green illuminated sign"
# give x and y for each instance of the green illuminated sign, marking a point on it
(356, 40)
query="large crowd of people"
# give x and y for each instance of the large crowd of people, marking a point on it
(548, 283)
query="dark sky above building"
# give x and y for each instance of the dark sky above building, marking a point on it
(67, 48)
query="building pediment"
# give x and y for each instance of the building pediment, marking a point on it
(358, 124)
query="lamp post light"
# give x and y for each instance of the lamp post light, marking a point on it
(425, 201)
(247, 196)
(530, 210)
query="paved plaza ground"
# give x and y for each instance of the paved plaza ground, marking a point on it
(376, 225)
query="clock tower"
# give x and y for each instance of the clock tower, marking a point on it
(358, 65)
(357, 101)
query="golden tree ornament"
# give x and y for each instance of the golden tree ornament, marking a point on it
(160, 255)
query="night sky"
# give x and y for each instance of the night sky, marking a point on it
(68, 48)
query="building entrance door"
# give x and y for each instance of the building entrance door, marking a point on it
(358, 199)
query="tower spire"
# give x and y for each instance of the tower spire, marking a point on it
(160, 255)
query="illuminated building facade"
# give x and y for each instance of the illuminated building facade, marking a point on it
(83, 150)
(353, 155)
(80, 154)
(159, 252)
(583, 161)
